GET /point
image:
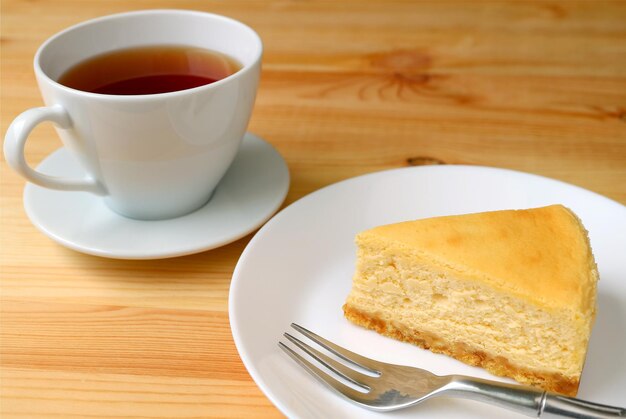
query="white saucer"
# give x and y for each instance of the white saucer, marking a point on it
(251, 191)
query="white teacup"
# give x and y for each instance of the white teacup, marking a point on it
(149, 156)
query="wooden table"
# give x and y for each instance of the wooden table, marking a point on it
(347, 88)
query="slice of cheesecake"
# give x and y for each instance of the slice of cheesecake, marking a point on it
(511, 291)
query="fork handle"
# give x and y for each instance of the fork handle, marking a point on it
(528, 401)
(556, 406)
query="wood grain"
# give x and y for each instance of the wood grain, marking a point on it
(39, 393)
(347, 88)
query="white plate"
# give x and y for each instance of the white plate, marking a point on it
(251, 191)
(298, 268)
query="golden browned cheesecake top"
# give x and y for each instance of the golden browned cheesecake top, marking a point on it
(542, 254)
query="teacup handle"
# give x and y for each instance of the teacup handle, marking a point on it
(15, 140)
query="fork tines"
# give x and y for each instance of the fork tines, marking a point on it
(351, 377)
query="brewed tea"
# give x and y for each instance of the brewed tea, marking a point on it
(149, 70)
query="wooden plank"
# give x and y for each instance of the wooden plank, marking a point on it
(31, 393)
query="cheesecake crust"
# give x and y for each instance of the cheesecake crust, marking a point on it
(496, 365)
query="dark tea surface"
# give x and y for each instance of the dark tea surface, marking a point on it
(149, 70)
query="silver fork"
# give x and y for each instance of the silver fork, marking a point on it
(384, 387)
